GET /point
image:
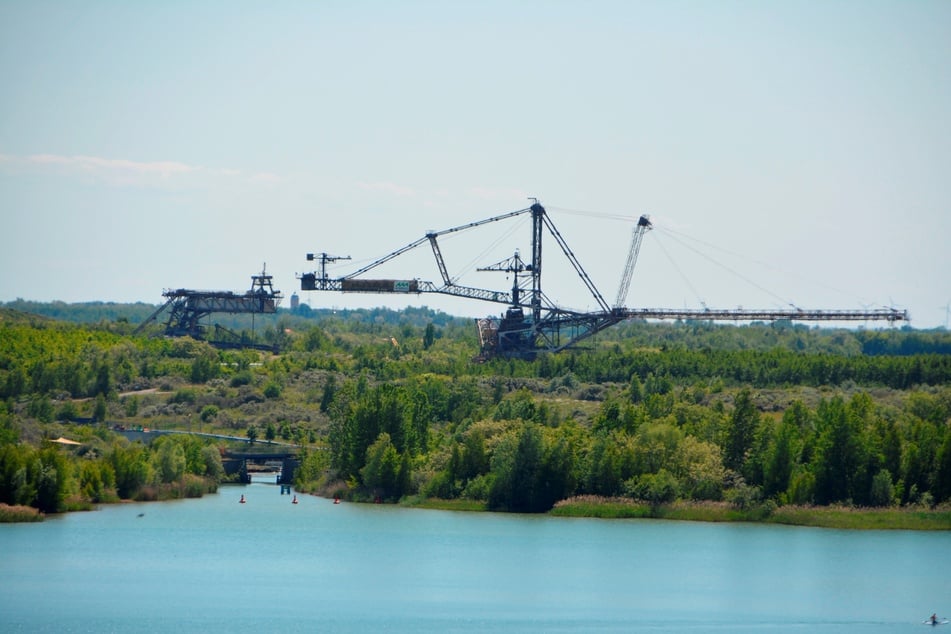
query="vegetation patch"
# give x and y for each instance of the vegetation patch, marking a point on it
(838, 516)
(692, 421)
(865, 518)
(458, 504)
(601, 507)
(19, 513)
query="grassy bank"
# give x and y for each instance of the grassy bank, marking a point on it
(843, 517)
(190, 486)
(443, 505)
(824, 517)
(19, 513)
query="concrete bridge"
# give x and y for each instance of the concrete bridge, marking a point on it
(235, 461)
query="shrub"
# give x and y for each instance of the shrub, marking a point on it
(186, 396)
(209, 412)
(241, 378)
(883, 491)
(655, 488)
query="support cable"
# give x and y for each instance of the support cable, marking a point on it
(574, 261)
(730, 270)
(473, 263)
(773, 267)
(680, 272)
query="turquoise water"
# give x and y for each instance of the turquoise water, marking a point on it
(216, 565)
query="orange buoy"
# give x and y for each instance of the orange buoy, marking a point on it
(242, 499)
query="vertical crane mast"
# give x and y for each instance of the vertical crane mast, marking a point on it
(538, 213)
(637, 235)
(323, 258)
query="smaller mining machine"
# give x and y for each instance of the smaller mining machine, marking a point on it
(186, 309)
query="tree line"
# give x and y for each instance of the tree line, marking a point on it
(658, 444)
(106, 469)
(386, 407)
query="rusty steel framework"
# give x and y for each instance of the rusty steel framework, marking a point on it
(186, 308)
(531, 323)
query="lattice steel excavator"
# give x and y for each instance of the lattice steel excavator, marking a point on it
(532, 324)
(188, 307)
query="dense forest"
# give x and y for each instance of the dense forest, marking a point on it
(391, 405)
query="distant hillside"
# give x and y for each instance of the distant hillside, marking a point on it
(136, 313)
(694, 335)
(11, 317)
(84, 312)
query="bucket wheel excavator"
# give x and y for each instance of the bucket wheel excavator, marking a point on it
(186, 309)
(531, 323)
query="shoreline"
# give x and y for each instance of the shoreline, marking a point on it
(834, 517)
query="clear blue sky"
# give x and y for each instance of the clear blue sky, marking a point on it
(804, 148)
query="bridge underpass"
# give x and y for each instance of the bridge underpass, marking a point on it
(236, 461)
(242, 463)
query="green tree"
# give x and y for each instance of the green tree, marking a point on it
(942, 486)
(781, 459)
(67, 412)
(15, 488)
(15, 383)
(376, 411)
(41, 408)
(556, 477)
(635, 390)
(404, 477)
(204, 367)
(101, 410)
(52, 475)
(475, 460)
(381, 471)
(211, 461)
(604, 472)
(96, 480)
(130, 464)
(429, 337)
(656, 445)
(311, 469)
(419, 414)
(315, 339)
(740, 431)
(516, 464)
(839, 453)
(169, 460)
(883, 491)
(327, 397)
(103, 385)
(654, 488)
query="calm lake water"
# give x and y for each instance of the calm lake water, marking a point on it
(268, 565)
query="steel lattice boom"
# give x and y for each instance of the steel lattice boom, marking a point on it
(531, 324)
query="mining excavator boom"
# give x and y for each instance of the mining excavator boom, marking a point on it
(532, 324)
